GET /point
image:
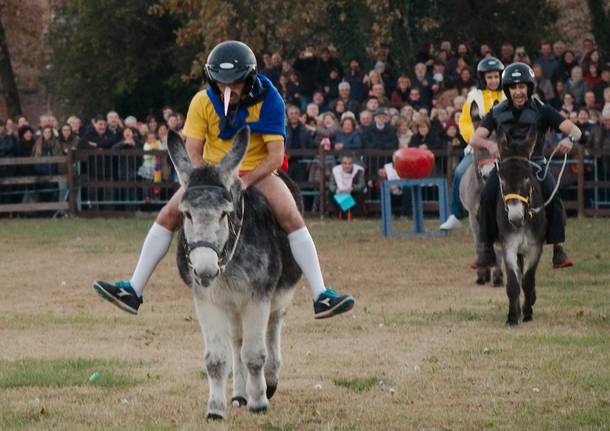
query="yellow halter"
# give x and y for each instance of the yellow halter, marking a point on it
(512, 196)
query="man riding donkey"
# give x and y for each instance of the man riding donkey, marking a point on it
(478, 103)
(516, 116)
(236, 96)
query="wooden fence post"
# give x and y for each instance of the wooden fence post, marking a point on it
(580, 193)
(70, 178)
(322, 172)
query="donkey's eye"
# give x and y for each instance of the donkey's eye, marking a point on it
(188, 215)
(223, 215)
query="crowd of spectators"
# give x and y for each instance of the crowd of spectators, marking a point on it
(366, 103)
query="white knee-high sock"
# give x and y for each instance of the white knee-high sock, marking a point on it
(304, 252)
(155, 246)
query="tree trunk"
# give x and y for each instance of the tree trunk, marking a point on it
(600, 22)
(7, 78)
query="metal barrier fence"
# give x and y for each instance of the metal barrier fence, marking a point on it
(108, 182)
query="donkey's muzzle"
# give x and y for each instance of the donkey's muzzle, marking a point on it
(204, 264)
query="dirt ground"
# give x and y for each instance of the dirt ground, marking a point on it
(424, 348)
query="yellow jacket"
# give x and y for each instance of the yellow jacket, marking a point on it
(481, 100)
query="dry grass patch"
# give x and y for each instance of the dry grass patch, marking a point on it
(420, 324)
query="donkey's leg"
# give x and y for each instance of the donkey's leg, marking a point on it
(483, 274)
(240, 397)
(254, 354)
(497, 275)
(529, 283)
(217, 334)
(513, 287)
(274, 360)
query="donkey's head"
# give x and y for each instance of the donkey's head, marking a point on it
(211, 206)
(516, 179)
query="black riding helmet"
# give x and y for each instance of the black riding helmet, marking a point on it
(231, 61)
(518, 73)
(488, 64)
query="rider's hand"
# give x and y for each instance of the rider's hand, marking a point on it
(564, 146)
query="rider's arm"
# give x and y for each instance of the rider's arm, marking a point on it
(273, 161)
(572, 133)
(465, 123)
(194, 148)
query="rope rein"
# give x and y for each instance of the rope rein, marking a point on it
(538, 177)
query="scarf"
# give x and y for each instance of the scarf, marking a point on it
(272, 118)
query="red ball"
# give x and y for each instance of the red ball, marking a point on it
(413, 163)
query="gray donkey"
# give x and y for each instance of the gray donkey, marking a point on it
(238, 263)
(470, 194)
(521, 223)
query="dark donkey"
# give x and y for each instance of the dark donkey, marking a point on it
(238, 263)
(521, 223)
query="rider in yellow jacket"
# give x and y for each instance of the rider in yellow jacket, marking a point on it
(478, 103)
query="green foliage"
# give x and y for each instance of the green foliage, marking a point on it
(62, 372)
(113, 54)
(140, 55)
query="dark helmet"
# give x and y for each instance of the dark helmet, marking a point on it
(516, 73)
(231, 61)
(488, 64)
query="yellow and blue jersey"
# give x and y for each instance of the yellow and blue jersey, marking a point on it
(266, 119)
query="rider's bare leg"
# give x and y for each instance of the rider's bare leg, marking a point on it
(157, 242)
(287, 214)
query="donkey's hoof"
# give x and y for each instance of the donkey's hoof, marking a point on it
(498, 281)
(528, 318)
(259, 410)
(480, 281)
(214, 417)
(511, 323)
(271, 390)
(238, 402)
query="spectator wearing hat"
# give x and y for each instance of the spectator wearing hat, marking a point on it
(345, 95)
(380, 135)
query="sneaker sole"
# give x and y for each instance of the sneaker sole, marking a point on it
(566, 264)
(343, 306)
(108, 297)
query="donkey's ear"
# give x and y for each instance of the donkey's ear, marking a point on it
(179, 156)
(475, 115)
(229, 165)
(532, 136)
(502, 140)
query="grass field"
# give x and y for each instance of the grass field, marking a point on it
(423, 349)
